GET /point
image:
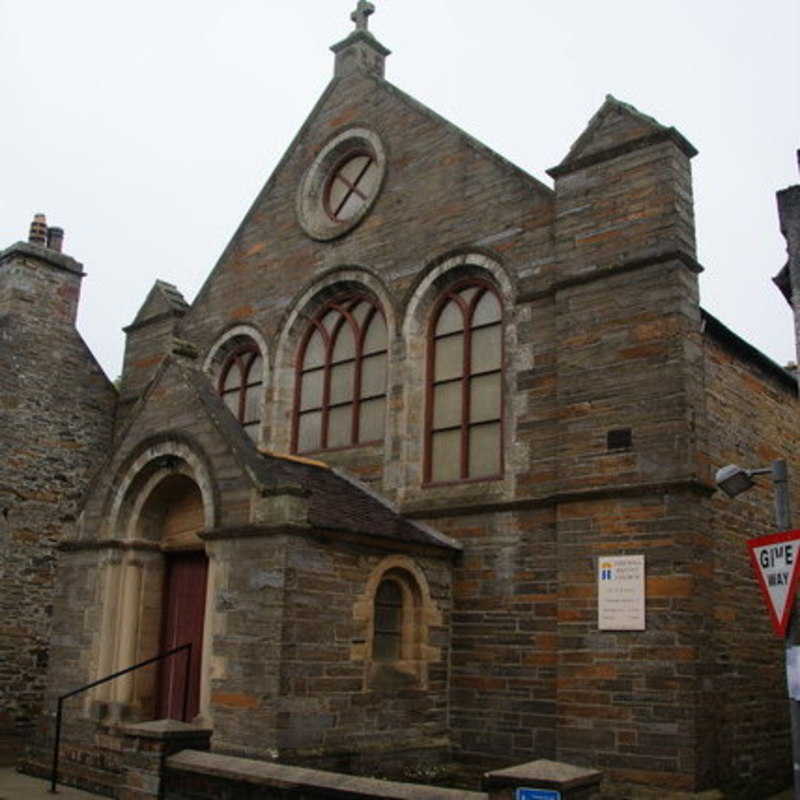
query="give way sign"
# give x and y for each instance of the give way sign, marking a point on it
(775, 559)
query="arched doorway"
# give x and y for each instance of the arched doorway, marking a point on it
(173, 514)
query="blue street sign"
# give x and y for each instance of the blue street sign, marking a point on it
(538, 794)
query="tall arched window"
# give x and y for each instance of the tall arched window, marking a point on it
(464, 412)
(340, 394)
(240, 386)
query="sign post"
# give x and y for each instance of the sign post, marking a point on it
(780, 567)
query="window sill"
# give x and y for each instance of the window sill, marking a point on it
(462, 481)
(360, 445)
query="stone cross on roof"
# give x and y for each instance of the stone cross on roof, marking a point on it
(361, 15)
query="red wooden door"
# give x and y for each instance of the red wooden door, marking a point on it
(184, 611)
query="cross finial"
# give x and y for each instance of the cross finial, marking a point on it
(361, 15)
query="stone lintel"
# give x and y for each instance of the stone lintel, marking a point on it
(51, 257)
(249, 532)
(359, 52)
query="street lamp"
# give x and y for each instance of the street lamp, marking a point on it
(733, 480)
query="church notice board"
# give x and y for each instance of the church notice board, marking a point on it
(620, 593)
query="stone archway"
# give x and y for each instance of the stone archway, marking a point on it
(156, 588)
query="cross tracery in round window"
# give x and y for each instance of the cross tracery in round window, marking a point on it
(351, 187)
(341, 381)
(341, 185)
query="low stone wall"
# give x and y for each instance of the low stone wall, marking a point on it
(193, 775)
(170, 760)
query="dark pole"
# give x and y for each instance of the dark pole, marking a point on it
(55, 746)
(783, 518)
(187, 646)
(186, 683)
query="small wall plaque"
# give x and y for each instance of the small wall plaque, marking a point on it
(620, 593)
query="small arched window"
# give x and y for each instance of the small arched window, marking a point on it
(388, 622)
(464, 412)
(340, 395)
(240, 386)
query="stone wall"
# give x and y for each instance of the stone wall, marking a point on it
(752, 417)
(56, 414)
(294, 676)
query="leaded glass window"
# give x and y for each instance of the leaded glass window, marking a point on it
(388, 622)
(241, 386)
(341, 377)
(465, 419)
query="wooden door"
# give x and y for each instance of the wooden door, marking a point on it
(184, 612)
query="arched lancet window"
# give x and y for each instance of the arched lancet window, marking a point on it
(340, 394)
(240, 386)
(388, 622)
(464, 413)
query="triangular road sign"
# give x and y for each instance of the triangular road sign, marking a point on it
(775, 559)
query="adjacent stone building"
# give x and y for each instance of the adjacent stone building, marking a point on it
(788, 279)
(56, 420)
(371, 471)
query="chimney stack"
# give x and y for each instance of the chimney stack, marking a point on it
(38, 232)
(55, 238)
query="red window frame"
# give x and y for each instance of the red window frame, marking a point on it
(344, 305)
(336, 174)
(241, 359)
(465, 425)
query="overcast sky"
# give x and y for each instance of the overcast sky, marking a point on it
(145, 129)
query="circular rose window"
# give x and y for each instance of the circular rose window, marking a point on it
(351, 187)
(341, 185)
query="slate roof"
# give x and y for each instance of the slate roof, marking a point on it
(337, 501)
(713, 327)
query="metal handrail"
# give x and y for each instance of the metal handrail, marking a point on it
(63, 697)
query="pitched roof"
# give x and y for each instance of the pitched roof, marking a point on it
(163, 298)
(615, 128)
(337, 501)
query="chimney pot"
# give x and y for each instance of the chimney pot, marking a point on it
(55, 238)
(38, 231)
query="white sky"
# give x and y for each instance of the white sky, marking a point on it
(145, 129)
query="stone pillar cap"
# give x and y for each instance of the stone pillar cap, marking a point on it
(165, 729)
(545, 774)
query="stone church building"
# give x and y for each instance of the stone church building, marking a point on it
(371, 471)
